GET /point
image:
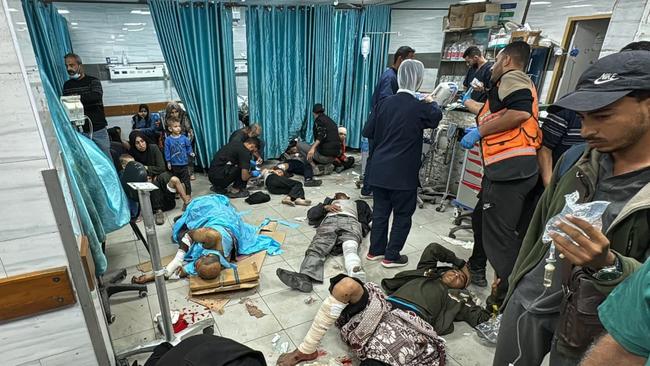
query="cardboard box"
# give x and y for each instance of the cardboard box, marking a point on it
(530, 37)
(461, 16)
(485, 19)
(493, 8)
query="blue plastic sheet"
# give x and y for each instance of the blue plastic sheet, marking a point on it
(215, 211)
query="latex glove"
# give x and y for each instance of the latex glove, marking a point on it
(253, 163)
(467, 96)
(472, 136)
(256, 173)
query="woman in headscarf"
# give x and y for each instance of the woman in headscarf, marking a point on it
(175, 110)
(149, 155)
(396, 125)
(146, 122)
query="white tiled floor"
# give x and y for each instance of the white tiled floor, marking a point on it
(287, 314)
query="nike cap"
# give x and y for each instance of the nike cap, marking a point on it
(608, 80)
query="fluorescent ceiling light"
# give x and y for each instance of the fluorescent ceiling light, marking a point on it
(134, 24)
(577, 6)
(120, 35)
(140, 11)
(63, 11)
(135, 30)
(112, 36)
(12, 10)
(21, 23)
(74, 27)
(540, 3)
(74, 23)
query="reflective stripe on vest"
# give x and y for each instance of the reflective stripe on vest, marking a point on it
(524, 144)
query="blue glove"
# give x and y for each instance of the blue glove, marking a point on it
(253, 164)
(256, 173)
(467, 96)
(472, 136)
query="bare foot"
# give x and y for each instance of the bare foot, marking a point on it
(295, 357)
(303, 202)
(143, 278)
(287, 201)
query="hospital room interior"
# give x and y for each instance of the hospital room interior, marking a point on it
(325, 182)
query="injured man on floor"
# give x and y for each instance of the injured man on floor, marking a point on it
(210, 235)
(402, 328)
(341, 224)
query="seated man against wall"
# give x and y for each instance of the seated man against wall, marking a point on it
(231, 165)
(294, 162)
(379, 334)
(343, 162)
(326, 146)
(340, 221)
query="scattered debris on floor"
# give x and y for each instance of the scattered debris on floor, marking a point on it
(344, 360)
(215, 303)
(279, 347)
(460, 243)
(300, 218)
(310, 300)
(252, 309)
(321, 352)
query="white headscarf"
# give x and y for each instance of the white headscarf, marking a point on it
(409, 76)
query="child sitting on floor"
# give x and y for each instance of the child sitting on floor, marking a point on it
(276, 182)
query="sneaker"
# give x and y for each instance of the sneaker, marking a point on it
(295, 280)
(287, 201)
(302, 202)
(371, 257)
(478, 277)
(192, 177)
(312, 182)
(217, 190)
(401, 262)
(242, 193)
(159, 216)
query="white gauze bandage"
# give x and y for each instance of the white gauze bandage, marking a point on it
(171, 268)
(329, 311)
(352, 261)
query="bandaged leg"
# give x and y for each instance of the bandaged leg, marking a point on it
(352, 261)
(327, 314)
(174, 265)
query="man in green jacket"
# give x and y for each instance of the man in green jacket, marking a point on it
(613, 98)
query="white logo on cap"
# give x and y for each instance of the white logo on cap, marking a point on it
(606, 78)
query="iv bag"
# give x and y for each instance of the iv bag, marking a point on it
(591, 212)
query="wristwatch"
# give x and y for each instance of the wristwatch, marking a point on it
(610, 273)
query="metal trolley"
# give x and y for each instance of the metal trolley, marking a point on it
(468, 189)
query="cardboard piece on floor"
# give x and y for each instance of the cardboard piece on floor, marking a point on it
(241, 286)
(247, 268)
(146, 266)
(215, 303)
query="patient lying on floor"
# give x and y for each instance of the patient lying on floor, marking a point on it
(202, 252)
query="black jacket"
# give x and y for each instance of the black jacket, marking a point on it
(316, 214)
(205, 350)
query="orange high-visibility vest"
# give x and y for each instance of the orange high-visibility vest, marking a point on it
(520, 141)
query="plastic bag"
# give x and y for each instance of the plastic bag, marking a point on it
(591, 212)
(488, 332)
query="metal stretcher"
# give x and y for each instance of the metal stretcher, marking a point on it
(431, 147)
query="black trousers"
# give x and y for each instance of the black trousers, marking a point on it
(347, 164)
(300, 168)
(223, 176)
(502, 210)
(283, 185)
(478, 260)
(162, 198)
(182, 172)
(401, 203)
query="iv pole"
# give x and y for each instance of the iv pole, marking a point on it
(205, 325)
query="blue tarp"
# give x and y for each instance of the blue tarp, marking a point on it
(215, 211)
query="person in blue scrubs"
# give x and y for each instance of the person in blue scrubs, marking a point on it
(386, 86)
(396, 126)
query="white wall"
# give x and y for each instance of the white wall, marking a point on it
(29, 237)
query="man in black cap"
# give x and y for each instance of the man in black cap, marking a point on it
(326, 146)
(560, 317)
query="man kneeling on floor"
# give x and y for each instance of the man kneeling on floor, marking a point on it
(340, 221)
(403, 328)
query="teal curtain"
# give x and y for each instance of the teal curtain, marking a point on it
(196, 42)
(99, 202)
(299, 56)
(49, 33)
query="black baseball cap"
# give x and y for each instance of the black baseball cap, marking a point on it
(608, 80)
